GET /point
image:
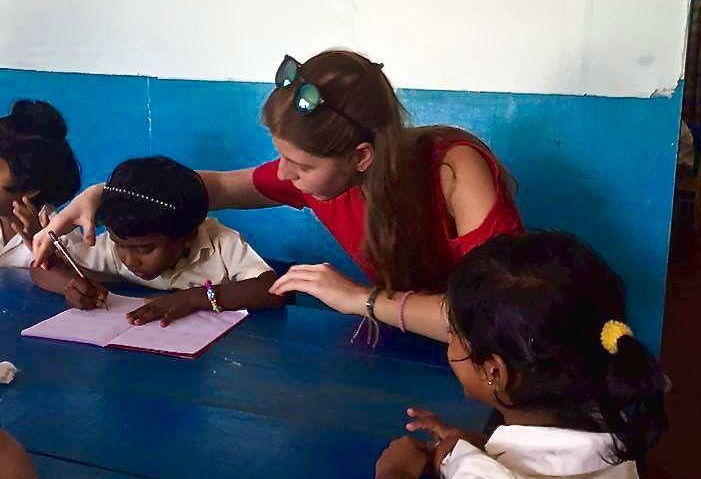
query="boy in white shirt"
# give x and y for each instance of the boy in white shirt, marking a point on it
(154, 210)
(533, 334)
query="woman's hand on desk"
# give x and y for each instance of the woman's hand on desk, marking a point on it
(326, 284)
(169, 307)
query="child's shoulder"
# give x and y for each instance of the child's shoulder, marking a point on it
(219, 234)
(214, 227)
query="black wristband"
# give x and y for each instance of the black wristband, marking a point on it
(370, 303)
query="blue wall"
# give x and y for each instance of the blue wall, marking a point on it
(602, 168)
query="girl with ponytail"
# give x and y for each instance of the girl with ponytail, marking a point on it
(537, 331)
(405, 203)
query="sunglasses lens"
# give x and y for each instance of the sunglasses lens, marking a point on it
(307, 98)
(286, 72)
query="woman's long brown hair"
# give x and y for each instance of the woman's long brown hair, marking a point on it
(400, 236)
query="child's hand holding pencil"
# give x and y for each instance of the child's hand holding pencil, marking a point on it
(82, 293)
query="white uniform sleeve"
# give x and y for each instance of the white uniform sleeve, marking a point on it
(240, 260)
(18, 256)
(466, 461)
(101, 258)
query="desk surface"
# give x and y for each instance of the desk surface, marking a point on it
(283, 395)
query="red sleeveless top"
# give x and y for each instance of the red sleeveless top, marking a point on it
(344, 215)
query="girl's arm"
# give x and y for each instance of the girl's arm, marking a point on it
(79, 212)
(423, 313)
(234, 189)
(227, 189)
(468, 188)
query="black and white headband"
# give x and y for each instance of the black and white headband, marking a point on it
(140, 196)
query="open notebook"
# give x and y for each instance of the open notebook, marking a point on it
(186, 338)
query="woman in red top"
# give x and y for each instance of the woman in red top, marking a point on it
(405, 203)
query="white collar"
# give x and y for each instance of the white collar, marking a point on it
(550, 451)
(201, 248)
(14, 242)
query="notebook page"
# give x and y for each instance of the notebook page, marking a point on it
(96, 326)
(186, 336)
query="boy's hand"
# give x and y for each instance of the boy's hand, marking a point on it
(404, 458)
(84, 294)
(169, 307)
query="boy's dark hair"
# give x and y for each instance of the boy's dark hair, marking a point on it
(540, 301)
(154, 195)
(34, 119)
(44, 165)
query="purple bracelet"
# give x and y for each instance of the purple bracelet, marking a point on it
(402, 303)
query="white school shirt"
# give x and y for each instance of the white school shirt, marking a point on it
(217, 253)
(529, 452)
(14, 254)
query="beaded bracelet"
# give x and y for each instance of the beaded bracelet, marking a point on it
(402, 304)
(212, 296)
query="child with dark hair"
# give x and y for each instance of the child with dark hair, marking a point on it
(158, 235)
(38, 172)
(537, 332)
(33, 119)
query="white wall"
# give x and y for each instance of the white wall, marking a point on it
(595, 47)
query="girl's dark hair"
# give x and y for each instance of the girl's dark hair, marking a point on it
(44, 165)
(156, 179)
(540, 301)
(400, 235)
(33, 142)
(34, 119)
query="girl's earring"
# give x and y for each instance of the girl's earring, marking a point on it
(490, 382)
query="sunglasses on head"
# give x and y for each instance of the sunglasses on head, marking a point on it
(308, 97)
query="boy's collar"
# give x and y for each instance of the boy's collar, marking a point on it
(201, 247)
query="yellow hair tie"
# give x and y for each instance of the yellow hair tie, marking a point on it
(611, 333)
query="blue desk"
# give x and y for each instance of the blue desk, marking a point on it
(282, 395)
